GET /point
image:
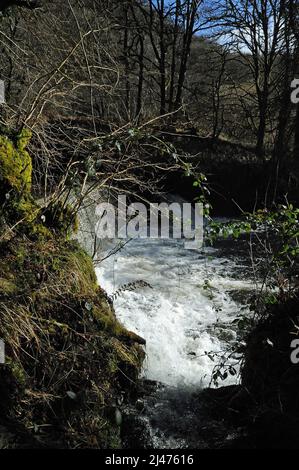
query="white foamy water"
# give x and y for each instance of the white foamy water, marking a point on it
(187, 312)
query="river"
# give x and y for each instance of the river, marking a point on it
(185, 304)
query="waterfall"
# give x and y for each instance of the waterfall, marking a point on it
(184, 311)
(181, 301)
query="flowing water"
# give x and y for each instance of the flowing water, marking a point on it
(184, 304)
(184, 310)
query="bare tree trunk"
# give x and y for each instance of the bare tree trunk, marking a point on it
(216, 96)
(295, 154)
(280, 146)
(140, 78)
(174, 54)
(260, 144)
(162, 60)
(192, 8)
(127, 63)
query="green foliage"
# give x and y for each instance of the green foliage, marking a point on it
(201, 184)
(232, 229)
(286, 224)
(276, 234)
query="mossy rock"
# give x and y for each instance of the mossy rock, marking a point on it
(62, 340)
(18, 207)
(16, 164)
(16, 200)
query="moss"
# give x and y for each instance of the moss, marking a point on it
(16, 164)
(62, 335)
(7, 287)
(16, 180)
(40, 231)
(74, 266)
(16, 201)
(17, 372)
(124, 354)
(23, 139)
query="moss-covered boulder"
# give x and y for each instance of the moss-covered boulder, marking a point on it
(18, 209)
(16, 164)
(16, 202)
(68, 359)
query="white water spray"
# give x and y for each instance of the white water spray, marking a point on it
(187, 312)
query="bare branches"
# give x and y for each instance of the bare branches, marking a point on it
(94, 68)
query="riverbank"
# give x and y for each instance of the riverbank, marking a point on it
(68, 359)
(259, 413)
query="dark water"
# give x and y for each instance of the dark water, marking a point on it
(173, 418)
